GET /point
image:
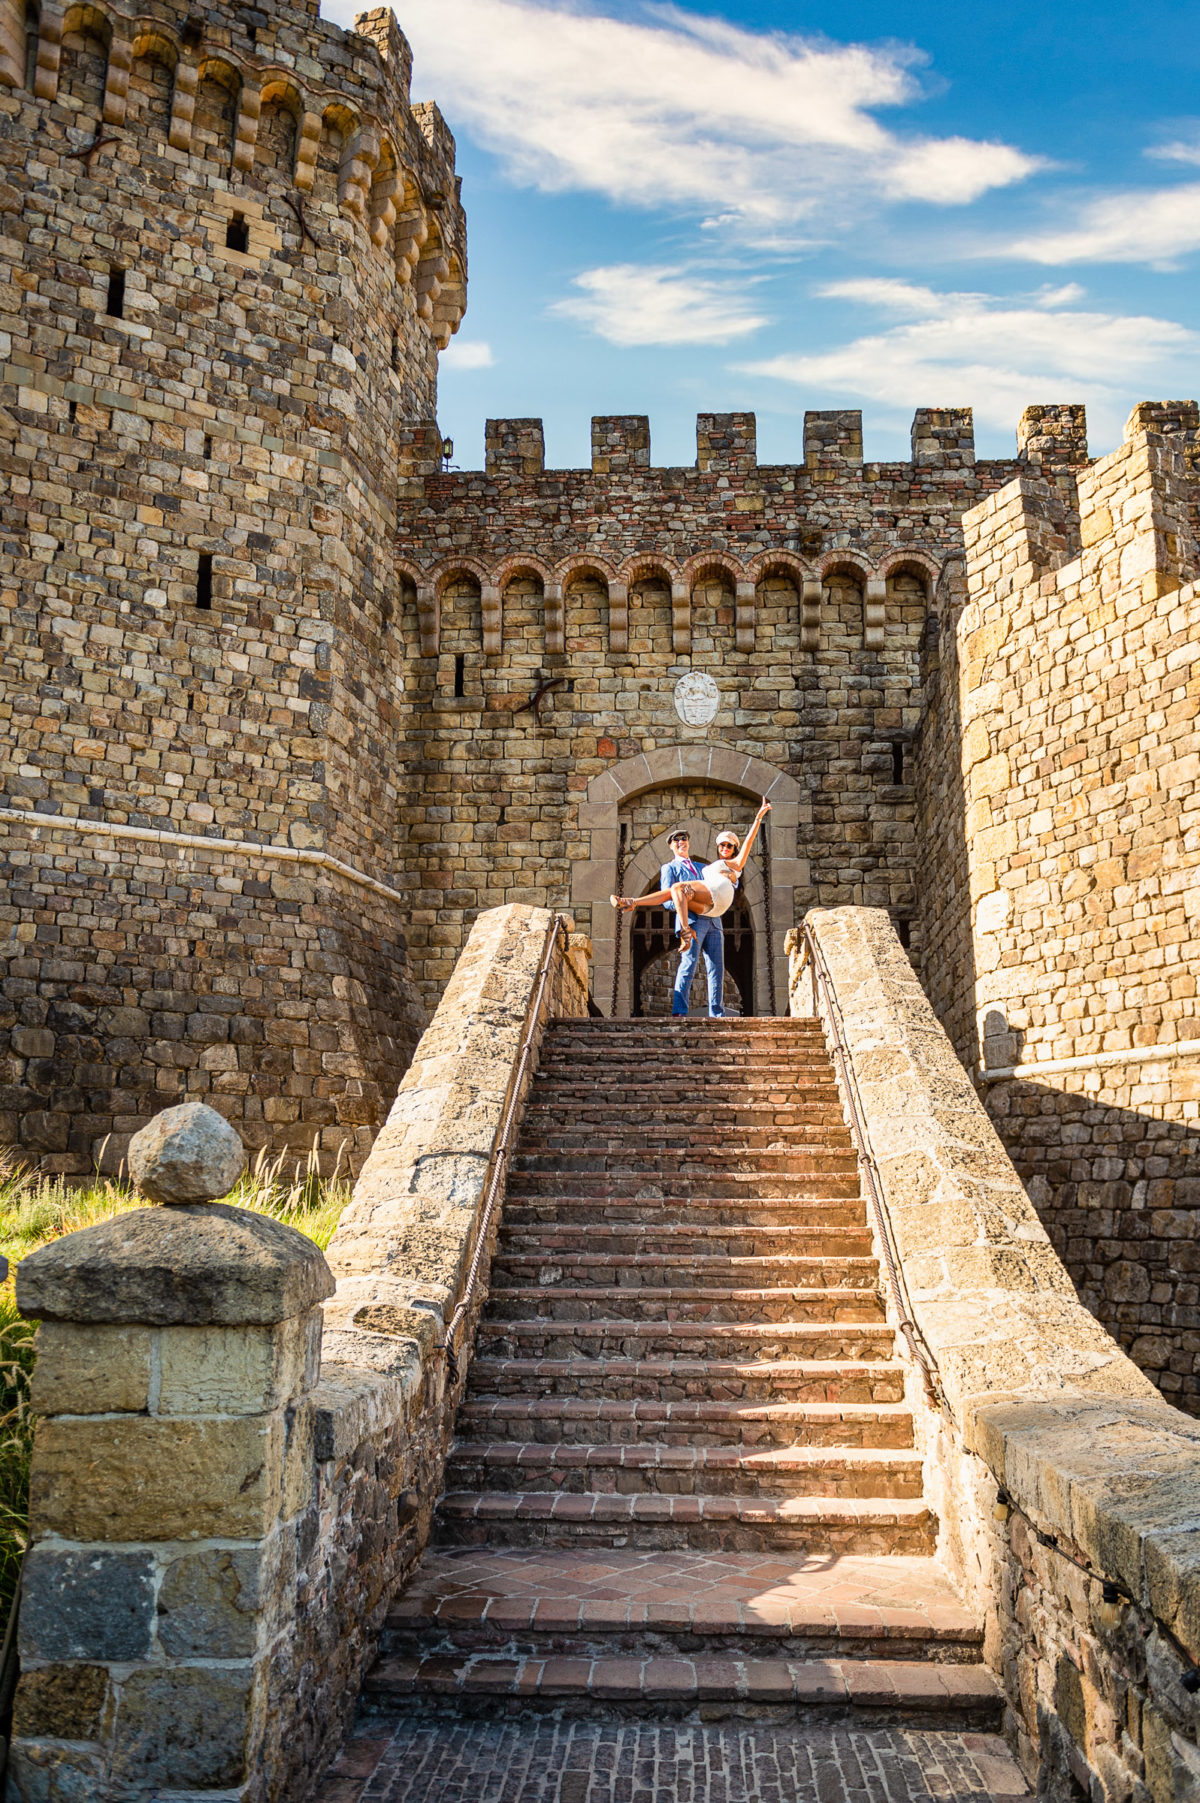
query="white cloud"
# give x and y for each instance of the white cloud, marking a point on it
(1179, 150)
(675, 109)
(1151, 225)
(633, 304)
(467, 354)
(995, 354)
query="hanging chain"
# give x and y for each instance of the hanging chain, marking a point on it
(766, 859)
(620, 890)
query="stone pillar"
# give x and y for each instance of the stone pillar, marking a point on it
(172, 1484)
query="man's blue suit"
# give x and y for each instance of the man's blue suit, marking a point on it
(709, 943)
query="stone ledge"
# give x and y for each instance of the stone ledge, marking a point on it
(1078, 1438)
(196, 1264)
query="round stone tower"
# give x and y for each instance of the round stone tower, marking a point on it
(231, 251)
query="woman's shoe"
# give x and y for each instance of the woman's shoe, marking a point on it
(621, 903)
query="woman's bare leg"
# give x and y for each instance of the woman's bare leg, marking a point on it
(681, 894)
(696, 896)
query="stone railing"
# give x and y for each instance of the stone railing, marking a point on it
(221, 1507)
(1068, 1491)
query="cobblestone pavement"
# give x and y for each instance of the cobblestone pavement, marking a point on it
(536, 1760)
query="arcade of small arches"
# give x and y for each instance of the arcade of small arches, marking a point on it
(810, 581)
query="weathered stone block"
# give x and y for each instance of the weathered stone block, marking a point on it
(86, 1605)
(65, 1702)
(243, 1371)
(43, 1770)
(208, 1602)
(186, 1728)
(128, 1478)
(84, 1370)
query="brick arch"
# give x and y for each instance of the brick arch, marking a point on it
(769, 563)
(833, 561)
(584, 565)
(429, 589)
(912, 563)
(520, 564)
(636, 569)
(703, 561)
(594, 878)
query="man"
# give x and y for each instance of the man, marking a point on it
(709, 941)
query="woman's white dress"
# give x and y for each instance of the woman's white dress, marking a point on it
(719, 884)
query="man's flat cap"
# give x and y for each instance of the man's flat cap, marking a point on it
(679, 832)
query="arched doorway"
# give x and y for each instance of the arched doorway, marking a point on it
(671, 768)
(654, 951)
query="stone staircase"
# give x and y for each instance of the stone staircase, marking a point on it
(684, 1477)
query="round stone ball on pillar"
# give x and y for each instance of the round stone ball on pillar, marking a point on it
(186, 1154)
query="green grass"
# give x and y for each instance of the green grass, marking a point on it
(35, 1209)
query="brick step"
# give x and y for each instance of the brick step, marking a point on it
(558, 1303)
(541, 1266)
(623, 1089)
(736, 1027)
(719, 1076)
(699, 1189)
(795, 1109)
(689, 1165)
(653, 1469)
(670, 1379)
(736, 1219)
(815, 1524)
(863, 1692)
(597, 1421)
(695, 1339)
(598, 1603)
(848, 1247)
(568, 1143)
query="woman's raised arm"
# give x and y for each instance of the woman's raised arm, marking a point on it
(739, 863)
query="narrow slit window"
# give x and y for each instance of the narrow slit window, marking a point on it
(207, 448)
(116, 293)
(72, 409)
(897, 760)
(460, 675)
(396, 352)
(204, 580)
(904, 931)
(237, 233)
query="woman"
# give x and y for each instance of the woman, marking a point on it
(714, 893)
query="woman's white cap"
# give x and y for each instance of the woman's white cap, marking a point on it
(727, 832)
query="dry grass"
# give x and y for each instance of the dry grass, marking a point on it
(35, 1209)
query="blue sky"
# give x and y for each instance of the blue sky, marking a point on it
(690, 207)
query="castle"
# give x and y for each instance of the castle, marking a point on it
(287, 703)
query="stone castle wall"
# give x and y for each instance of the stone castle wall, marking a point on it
(232, 249)
(1058, 764)
(804, 590)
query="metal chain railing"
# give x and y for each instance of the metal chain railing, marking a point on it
(622, 855)
(502, 1145)
(822, 987)
(770, 924)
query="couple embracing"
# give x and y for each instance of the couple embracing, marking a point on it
(700, 895)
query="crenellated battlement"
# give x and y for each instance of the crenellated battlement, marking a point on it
(942, 438)
(1128, 519)
(269, 81)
